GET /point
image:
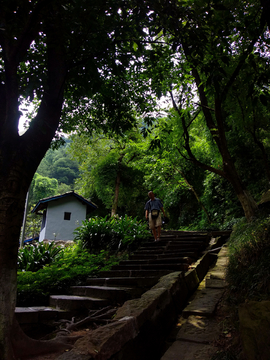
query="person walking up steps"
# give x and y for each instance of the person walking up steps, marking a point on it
(153, 209)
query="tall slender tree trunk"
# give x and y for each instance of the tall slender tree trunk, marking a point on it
(263, 152)
(217, 129)
(196, 195)
(116, 194)
(117, 186)
(230, 173)
(248, 204)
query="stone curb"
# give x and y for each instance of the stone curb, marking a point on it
(141, 325)
(198, 332)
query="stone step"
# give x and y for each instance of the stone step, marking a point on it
(172, 267)
(189, 240)
(164, 260)
(188, 252)
(187, 247)
(73, 302)
(155, 246)
(177, 239)
(164, 243)
(114, 294)
(134, 273)
(154, 251)
(204, 303)
(184, 233)
(166, 254)
(186, 243)
(40, 314)
(174, 252)
(124, 281)
(173, 245)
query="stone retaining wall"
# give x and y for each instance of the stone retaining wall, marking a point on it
(142, 324)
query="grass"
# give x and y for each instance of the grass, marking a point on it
(248, 272)
(248, 277)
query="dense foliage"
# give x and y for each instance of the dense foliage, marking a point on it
(112, 234)
(58, 164)
(71, 268)
(35, 257)
(211, 146)
(249, 256)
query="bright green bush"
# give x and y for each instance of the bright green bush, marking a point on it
(96, 234)
(34, 257)
(131, 231)
(112, 234)
(248, 272)
(72, 268)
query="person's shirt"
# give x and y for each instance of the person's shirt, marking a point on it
(155, 204)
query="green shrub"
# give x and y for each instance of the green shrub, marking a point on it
(73, 268)
(112, 234)
(131, 232)
(34, 257)
(248, 271)
(96, 234)
(231, 223)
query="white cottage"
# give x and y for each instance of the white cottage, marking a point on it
(62, 214)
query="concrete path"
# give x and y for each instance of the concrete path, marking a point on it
(198, 328)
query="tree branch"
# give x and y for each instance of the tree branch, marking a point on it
(195, 193)
(202, 165)
(244, 57)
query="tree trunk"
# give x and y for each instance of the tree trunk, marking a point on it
(117, 187)
(17, 167)
(116, 194)
(196, 195)
(217, 130)
(13, 191)
(263, 151)
(19, 159)
(248, 204)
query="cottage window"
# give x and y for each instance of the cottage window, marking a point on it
(67, 215)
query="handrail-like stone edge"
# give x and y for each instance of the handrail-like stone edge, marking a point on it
(136, 317)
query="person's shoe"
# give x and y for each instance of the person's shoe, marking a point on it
(158, 239)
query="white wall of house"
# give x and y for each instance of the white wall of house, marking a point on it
(56, 227)
(42, 234)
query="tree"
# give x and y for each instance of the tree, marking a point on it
(251, 108)
(107, 172)
(60, 53)
(177, 181)
(58, 164)
(43, 187)
(210, 43)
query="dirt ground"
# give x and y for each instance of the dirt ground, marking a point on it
(229, 342)
(54, 356)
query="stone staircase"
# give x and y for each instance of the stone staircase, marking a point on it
(176, 251)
